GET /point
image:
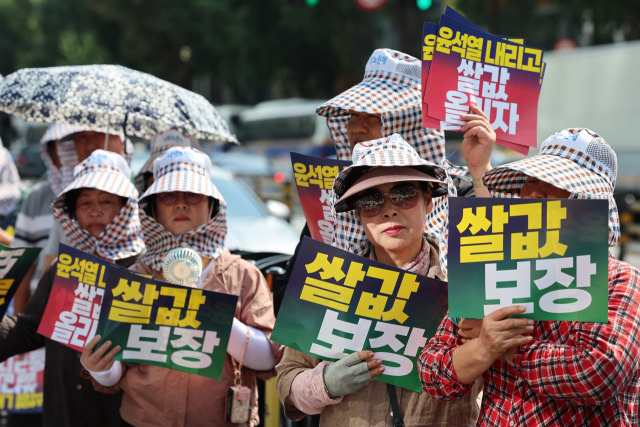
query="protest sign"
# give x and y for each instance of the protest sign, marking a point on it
(22, 383)
(14, 264)
(338, 303)
(73, 307)
(158, 323)
(548, 255)
(463, 65)
(314, 180)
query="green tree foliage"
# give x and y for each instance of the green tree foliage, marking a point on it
(251, 50)
(543, 22)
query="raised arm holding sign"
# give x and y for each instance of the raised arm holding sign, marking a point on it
(558, 372)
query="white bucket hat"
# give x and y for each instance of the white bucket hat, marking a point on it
(182, 169)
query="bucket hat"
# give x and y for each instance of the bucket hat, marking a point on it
(182, 169)
(576, 160)
(392, 160)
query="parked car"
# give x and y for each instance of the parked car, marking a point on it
(252, 226)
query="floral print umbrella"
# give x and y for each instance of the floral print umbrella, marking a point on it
(110, 98)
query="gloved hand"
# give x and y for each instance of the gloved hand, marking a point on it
(346, 376)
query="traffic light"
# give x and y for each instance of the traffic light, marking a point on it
(311, 3)
(424, 4)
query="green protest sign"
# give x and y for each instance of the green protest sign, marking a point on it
(14, 264)
(338, 303)
(158, 323)
(551, 256)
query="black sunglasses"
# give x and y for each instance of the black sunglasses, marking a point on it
(403, 196)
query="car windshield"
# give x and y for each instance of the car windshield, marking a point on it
(240, 202)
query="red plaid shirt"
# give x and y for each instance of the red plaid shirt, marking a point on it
(570, 374)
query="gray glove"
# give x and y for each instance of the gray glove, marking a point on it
(346, 376)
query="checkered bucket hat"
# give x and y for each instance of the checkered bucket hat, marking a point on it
(189, 170)
(385, 152)
(160, 143)
(576, 160)
(122, 238)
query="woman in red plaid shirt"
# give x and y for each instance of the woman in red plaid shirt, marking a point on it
(551, 372)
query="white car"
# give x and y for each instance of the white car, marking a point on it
(252, 227)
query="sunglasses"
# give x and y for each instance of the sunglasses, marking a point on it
(171, 197)
(403, 196)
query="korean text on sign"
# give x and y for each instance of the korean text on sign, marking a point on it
(527, 254)
(77, 325)
(168, 325)
(338, 303)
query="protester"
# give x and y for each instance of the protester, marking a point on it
(184, 209)
(388, 100)
(98, 213)
(342, 392)
(35, 219)
(551, 372)
(72, 149)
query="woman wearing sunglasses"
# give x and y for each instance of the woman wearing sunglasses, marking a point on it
(183, 209)
(391, 190)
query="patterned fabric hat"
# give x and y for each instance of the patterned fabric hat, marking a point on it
(392, 151)
(391, 87)
(122, 238)
(65, 146)
(576, 160)
(184, 169)
(160, 143)
(9, 182)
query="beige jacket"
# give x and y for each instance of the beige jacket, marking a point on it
(371, 406)
(155, 396)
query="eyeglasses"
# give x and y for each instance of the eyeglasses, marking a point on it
(403, 196)
(171, 197)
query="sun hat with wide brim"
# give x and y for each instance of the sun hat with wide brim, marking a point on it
(382, 161)
(382, 175)
(576, 160)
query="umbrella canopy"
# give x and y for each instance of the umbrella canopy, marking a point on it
(110, 98)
